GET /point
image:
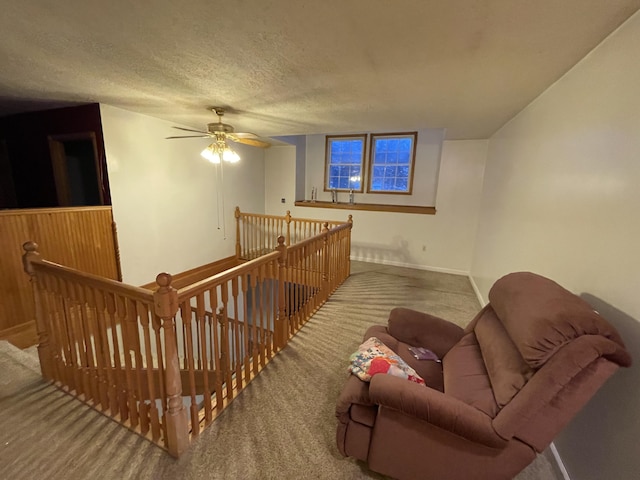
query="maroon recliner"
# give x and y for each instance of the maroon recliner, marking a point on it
(507, 384)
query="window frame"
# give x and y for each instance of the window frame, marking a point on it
(327, 160)
(372, 138)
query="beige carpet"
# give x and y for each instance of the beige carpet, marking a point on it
(281, 427)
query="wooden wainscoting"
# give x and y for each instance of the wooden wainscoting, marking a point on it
(80, 237)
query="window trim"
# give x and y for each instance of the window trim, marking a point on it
(372, 139)
(327, 163)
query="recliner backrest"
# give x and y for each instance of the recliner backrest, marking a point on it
(556, 350)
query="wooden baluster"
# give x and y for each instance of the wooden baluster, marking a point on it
(103, 325)
(103, 335)
(348, 247)
(256, 228)
(257, 344)
(100, 373)
(54, 306)
(237, 334)
(265, 294)
(80, 341)
(245, 324)
(61, 325)
(307, 282)
(151, 409)
(187, 320)
(325, 262)
(294, 288)
(181, 333)
(127, 316)
(202, 361)
(91, 372)
(162, 392)
(238, 246)
(165, 306)
(142, 374)
(71, 315)
(122, 372)
(115, 341)
(216, 350)
(225, 343)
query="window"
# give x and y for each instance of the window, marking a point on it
(391, 160)
(344, 162)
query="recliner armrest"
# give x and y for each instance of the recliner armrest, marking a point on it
(423, 330)
(429, 405)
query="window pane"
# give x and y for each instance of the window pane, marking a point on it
(404, 145)
(344, 161)
(392, 161)
(388, 184)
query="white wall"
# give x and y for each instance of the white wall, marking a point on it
(561, 198)
(280, 179)
(399, 238)
(164, 195)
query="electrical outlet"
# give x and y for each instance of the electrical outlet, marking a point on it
(282, 200)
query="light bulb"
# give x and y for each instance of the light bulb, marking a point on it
(210, 154)
(230, 156)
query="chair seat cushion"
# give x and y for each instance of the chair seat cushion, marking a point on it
(466, 378)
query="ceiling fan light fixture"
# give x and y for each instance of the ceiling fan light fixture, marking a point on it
(211, 154)
(218, 151)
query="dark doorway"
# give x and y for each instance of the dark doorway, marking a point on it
(76, 170)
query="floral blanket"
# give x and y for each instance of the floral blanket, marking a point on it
(374, 357)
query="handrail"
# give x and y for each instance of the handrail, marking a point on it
(92, 280)
(219, 278)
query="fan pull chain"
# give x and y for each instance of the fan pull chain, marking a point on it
(224, 223)
(217, 187)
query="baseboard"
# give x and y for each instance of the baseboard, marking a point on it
(452, 271)
(559, 463)
(476, 290)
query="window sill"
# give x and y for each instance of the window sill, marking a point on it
(371, 207)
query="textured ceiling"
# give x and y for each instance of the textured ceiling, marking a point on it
(296, 67)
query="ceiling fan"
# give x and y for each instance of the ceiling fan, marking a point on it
(223, 131)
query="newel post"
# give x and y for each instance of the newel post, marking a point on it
(281, 328)
(287, 218)
(44, 349)
(165, 301)
(326, 261)
(238, 245)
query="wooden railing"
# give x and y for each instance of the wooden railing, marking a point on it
(165, 363)
(256, 233)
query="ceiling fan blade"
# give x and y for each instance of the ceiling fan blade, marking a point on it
(187, 136)
(190, 130)
(248, 139)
